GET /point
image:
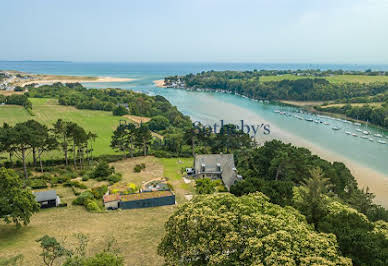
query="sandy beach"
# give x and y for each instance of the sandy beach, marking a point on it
(159, 83)
(47, 79)
(377, 182)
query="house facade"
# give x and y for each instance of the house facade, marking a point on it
(216, 166)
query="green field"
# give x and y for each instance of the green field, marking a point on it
(334, 79)
(47, 111)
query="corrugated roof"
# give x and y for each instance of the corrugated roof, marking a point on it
(45, 195)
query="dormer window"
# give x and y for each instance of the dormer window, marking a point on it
(218, 167)
(203, 167)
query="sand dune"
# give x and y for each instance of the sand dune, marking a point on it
(159, 83)
(72, 79)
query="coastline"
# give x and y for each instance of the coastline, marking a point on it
(376, 181)
(159, 83)
(366, 177)
(47, 79)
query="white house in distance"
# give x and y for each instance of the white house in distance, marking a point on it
(215, 166)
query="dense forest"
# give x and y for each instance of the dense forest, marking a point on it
(326, 193)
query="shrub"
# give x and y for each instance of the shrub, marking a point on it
(99, 192)
(83, 198)
(37, 183)
(75, 184)
(102, 170)
(91, 205)
(132, 188)
(114, 178)
(120, 110)
(85, 178)
(139, 167)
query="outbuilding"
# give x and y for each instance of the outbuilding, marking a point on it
(47, 199)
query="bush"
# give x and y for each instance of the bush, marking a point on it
(83, 198)
(37, 183)
(102, 170)
(91, 205)
(75, 184)
(139, 167)
(99, 192)
(119, 111)
(85, 178)
(114, 178)
(132, 188)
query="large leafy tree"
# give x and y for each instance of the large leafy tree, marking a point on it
(17, 203)
(223, 229)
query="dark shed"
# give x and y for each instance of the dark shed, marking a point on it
(147, 199)
(47, 199)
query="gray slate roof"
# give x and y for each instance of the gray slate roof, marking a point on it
(226, 161)
(45, 195)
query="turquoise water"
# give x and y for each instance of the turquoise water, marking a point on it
(210, 108)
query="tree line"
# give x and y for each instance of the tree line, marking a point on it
(140, 104)
(304, 89)
(377, 115)
(31, 137)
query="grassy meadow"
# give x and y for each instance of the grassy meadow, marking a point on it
(337, 79)
(137, 231)
(47, 111)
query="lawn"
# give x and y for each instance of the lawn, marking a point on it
(47, 111)
(137, 231)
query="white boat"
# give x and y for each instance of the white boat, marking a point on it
(354, 135)
(277, 111)
(326, 123)
(359, 130)
(309, 119)
(382, 142)
(370, 139)
(335, 128)
(365, 132)
(357, 124)
(348, 132)
(364, 137)
(316, 121)
(378, 135)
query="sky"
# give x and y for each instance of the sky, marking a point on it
(263, 31)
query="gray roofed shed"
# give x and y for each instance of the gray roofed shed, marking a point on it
(45, 195)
